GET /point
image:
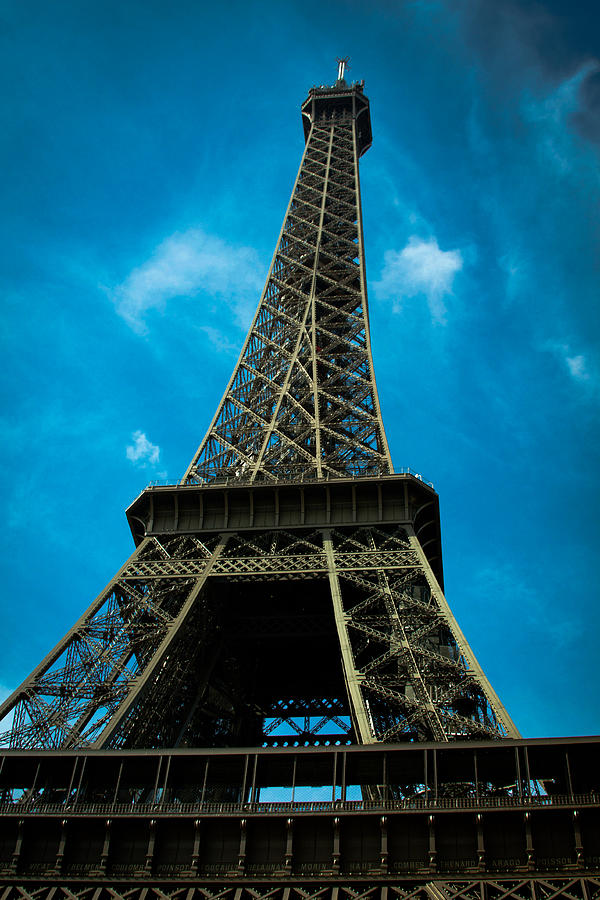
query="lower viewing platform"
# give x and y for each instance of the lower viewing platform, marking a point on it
(525, 809)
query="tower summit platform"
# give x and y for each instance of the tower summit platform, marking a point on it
(340, 99)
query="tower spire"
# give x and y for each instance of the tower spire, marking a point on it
(343, 64)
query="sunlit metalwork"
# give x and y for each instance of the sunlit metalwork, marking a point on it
(188, 645)
(272, 700)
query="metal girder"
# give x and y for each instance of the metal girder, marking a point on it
(585, 887)
(94, 674)
(408, 671)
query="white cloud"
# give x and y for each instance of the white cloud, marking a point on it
(420, 268)
(186, 264)
(576, 364)
(220, 341)
(142, 452)
(577, 367)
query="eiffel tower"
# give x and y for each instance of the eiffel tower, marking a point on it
(282, 623)
(291, 575)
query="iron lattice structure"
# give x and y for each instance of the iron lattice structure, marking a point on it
(549, 888)
(289, 590)
(302, 399)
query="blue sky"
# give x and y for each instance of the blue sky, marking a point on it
(148, 153)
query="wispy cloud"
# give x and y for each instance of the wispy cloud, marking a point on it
(184, 265)
(142, 452)
(220, 341)
(577, 365)
(420, 268)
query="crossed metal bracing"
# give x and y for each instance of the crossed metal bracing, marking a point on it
(473, 888)
(292, 722)
(158, 660)
(337, 635)
(302, 399)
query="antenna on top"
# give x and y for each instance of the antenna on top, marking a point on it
(342, 62)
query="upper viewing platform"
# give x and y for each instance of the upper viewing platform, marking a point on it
(337, 100)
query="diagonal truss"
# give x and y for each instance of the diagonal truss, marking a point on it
(423, 887)
(302, 399)
(138, 668)
(205, 638)
(87, 682)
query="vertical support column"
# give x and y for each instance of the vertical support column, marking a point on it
(289, 846)
(16, 855)
(60, 854)
(580, 861)
(432, 847)
(242, 851)
(360, 717)
(335, 856)
(334, 777)
(151, 844)
(480, 842)
(103, 865)
(195, 848)
(529, 843)
(383, 853)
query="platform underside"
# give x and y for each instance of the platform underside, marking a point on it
(514, 819)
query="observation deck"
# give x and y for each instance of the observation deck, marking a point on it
(232, 505)
(339, 100)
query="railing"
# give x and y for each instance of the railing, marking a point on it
(309, 806)
(230, 477)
